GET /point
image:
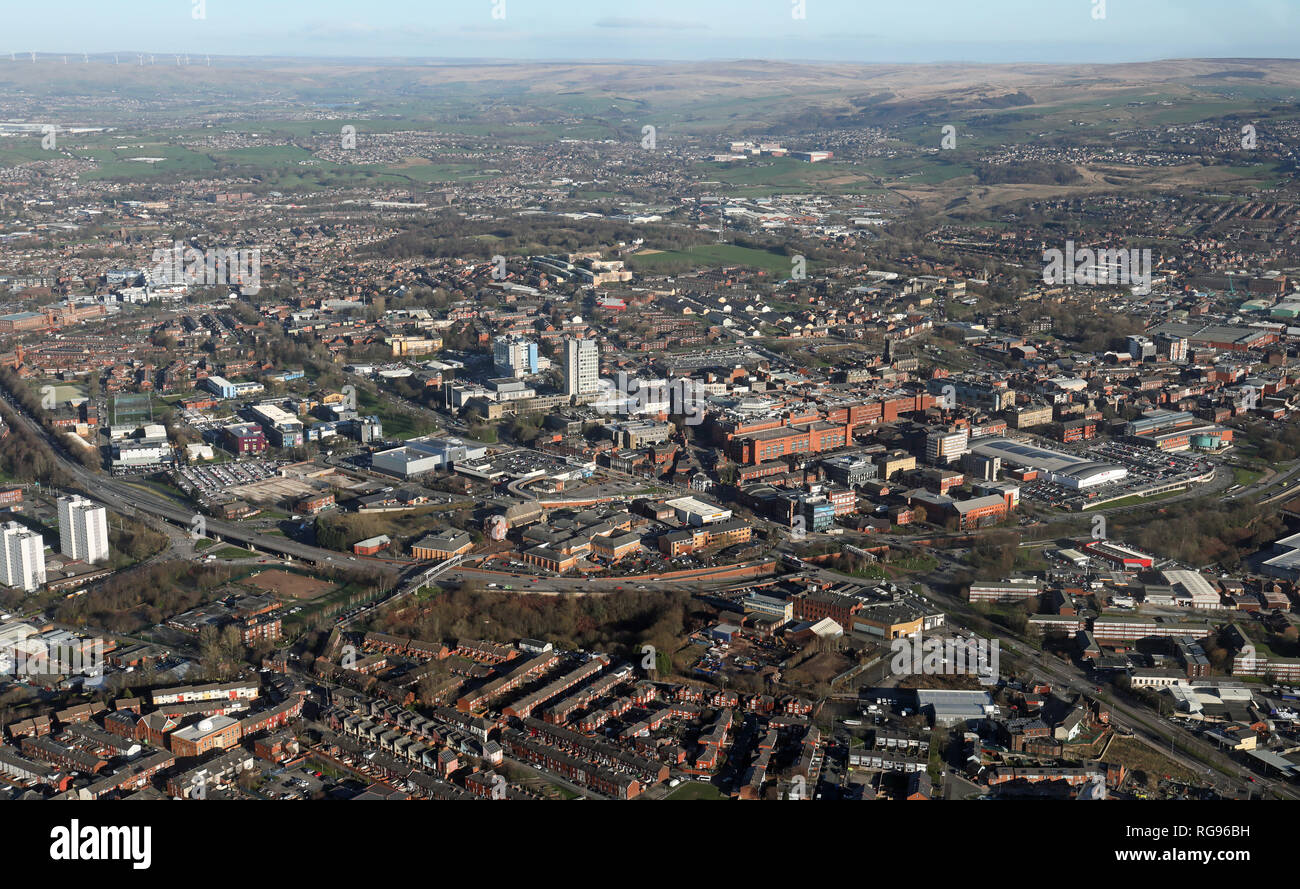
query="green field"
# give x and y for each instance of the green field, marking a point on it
(116, 163)
(397, 423)
(783, 175)
(1245, 477)
(694, 790)
(713, 256)
(233, 552)
(62, 392)
(287, 166)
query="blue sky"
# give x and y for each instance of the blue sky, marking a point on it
(832, 30)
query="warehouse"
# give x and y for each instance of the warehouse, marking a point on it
(421, 455)
(1121, 556)
(950, 707)
(1064, 469)
(697, 512)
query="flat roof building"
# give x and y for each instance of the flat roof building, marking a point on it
(951, 707)
(1064, 469)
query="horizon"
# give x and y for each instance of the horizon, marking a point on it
(829, 31)
(164, 59)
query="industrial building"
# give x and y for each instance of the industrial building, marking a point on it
(951, 707)
(420, 455)
(697, 512)
(1064, 469)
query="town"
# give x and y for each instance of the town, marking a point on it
(674, 449)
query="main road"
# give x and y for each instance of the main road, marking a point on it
(129, 499)
(1171, 739)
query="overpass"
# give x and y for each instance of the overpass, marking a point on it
(131, 501)
(414, 585)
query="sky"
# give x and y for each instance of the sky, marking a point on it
(861, 31)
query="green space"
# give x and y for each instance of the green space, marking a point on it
(177, 160)
(233, 552)
(1136, 499)
(915, 562)
(712, 256)
(21, 150)
(918, 171)
(694, 790)
(1246, 477)
(398, 423)
(783, 175)
(67, 392)
(340, 530)
(159, 486)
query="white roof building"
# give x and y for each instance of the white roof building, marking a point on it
(1203, 593)
(952, 706)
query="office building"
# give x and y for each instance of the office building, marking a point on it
(943, 445)
(514, 356)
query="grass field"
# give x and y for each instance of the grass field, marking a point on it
(783, 175)
(694, 790)
(1245, 477)
(397, 423)
(233, 552)
(713, 256)
(117, 163)
(285, 167)
(160, 487)
(1136, 500)
(61, 392)
(917, 562)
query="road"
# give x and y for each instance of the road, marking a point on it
(1145, 725)
(130, 500)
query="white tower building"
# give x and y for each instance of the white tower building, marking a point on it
(83, 529)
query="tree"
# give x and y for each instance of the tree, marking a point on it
(726, 472)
